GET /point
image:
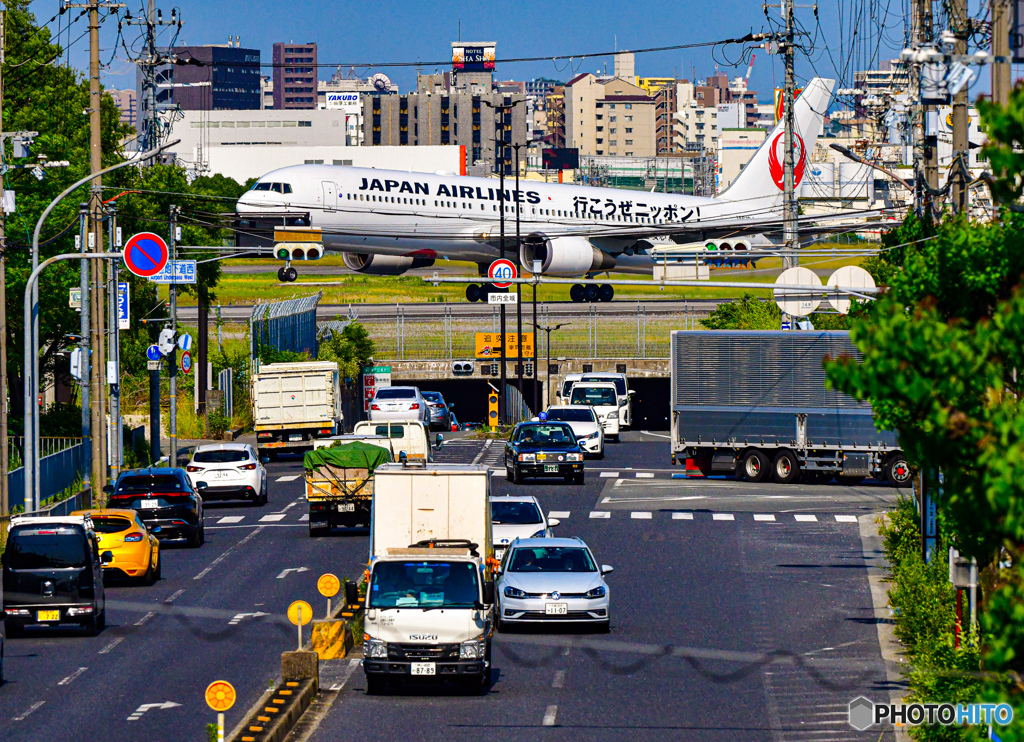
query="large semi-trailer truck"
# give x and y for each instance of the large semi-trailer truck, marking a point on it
(755, 404)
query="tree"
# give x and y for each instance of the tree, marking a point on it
(351, 349)
(749, 313)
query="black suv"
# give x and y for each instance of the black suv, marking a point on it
(163, 497)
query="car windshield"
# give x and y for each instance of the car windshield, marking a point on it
(144, 483)
(396, 393)
(110, 524)
(593, 395)
(572, 416)
(220, 457)
(551, 559)
(620, 383)
(423, 585)
(515, 513)
(433, 397)
(557, 433)
(46, 547)
(567, 386)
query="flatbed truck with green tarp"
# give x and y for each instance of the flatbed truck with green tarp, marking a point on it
(339, 484)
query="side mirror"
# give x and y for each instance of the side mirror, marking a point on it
(201, 486)
(108, 488)
(631, 393)
(352, 593)
(488, 593)
(607, 569)
(552, 522)
(451, 406)
(264, 459)
(439, 441)
(106, 557)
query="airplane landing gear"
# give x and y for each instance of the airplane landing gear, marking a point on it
(591, 292)
(287, 274)
(478, 293)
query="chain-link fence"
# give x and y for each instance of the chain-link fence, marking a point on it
(618, 330)
(285, 325)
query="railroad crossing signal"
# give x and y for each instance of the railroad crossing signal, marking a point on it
(500, 271)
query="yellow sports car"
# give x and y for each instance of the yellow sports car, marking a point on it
(135, 549)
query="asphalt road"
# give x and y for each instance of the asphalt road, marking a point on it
(741, 612)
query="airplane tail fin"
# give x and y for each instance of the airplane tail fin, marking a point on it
(759, 185)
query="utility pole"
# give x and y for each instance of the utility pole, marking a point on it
(149, 61)
(85, 382)
(172, 358)
(4, 463)
(960, 26)
(1000, 10)
(789, 202)
(519, 286)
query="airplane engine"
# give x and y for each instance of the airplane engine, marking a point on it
(383, 265)
(563, 256)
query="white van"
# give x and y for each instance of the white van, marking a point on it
(602, 396)
(563, 393)
(622, 391)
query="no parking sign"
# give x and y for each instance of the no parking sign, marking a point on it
(145, 254)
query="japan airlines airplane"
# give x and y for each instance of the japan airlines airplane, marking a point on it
(386, 222)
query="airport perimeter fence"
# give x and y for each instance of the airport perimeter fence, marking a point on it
(288, 325)
(633, 330)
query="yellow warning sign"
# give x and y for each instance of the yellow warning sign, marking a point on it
(488, 345)
(220, 695)
(300, 613)
(328, 585)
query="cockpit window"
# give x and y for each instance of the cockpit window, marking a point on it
(275, 187)
(261, 187)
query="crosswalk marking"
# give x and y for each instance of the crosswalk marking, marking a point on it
(645, 475)
(640, 515)
(846, 518)
(801, 518)
(600, 514)
(682, 516)
(272, 518)
(723, 516)
(764, 517)
(231, 519)
(609, 475)
(288, 478)
(559, 514)
(304, 518)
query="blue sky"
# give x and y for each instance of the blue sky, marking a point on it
(421, 31)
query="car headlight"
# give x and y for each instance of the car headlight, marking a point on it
(514, 592)
(613, 415)
(474, 649)
(540, 534)
(574, 457)
(590, 437)
(376, 649)
(597, 592)
(527, 457)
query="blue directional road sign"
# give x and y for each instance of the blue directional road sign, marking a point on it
(176, 271)
(122, 307)
(153, 353)
(145, 254)
(185, 342)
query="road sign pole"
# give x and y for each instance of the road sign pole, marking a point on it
(220, 727)
(173, 357)
(83, 215)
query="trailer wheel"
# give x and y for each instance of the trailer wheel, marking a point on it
(897, 470)
(785, 468)
(755, 466)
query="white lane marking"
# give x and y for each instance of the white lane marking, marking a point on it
(137, 713)
(224, 556)
(645, 475)
(723, 516)
(764, 517)
(600, 514)
(806, 518)
(272, 518)
(487, 444)
(72, 676)
(549, 716)
(846, 519)
(284, 572)
(644, 515)
(175, 595)
(232, 519)
(34, 707)
(498, 472)
(609, 475)
(257, 526)
(288, 478)
(240, 616)
(652, 499)
(145, 618)
(655, 435)
(112, 644)
(290, 505)
(618, 482)
(304, 518)
(682, 516)
(559, 514)
(352, 665)
(559, 680)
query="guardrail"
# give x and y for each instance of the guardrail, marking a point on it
(57, 472)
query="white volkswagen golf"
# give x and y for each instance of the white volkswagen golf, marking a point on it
(232, 471)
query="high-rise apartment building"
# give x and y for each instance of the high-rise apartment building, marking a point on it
(609, 116)
(295, 75)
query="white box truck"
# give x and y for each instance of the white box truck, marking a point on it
(293, 404)
(430, 590)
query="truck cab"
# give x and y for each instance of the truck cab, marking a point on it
(430, 590)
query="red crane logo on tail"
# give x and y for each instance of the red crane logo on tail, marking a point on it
(775, 161)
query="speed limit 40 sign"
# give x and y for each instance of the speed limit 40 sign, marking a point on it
(500, 271)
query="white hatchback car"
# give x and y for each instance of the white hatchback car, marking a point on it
(585, 426)
(232, 471)
(399, 403)
(552, 580)
(518, 516)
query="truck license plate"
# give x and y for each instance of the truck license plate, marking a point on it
(48, 616)
(556, 609)
(423, 668)
(346, 507)
(551, 467)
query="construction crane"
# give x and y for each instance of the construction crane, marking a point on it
(746, 77)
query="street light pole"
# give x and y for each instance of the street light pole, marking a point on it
(519, 286)
(548, 329)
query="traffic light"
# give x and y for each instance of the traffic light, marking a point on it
(492, 409)
(298, 251)
(463, 368)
